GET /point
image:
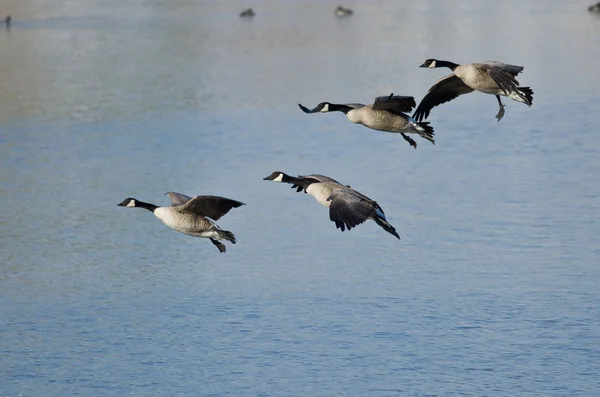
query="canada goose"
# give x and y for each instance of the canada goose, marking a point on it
(347, 207)
(343, 12)
(489, 77)
(385, 114)
(190, 215)
(248, 13)
(594, 7)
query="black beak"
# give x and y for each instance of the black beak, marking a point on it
(423, 65)
(120, 205)
(307, 110)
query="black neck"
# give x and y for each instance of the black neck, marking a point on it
(339, 108)
(148, 206)
(449, 65)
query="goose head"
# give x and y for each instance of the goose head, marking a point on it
(430, 63)
(322, 107)
(129, 202)
(277, 176)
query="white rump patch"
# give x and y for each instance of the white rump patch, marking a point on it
(131, 203)
(279, 178)
(325, 108)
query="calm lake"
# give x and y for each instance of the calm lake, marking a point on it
(494, 289)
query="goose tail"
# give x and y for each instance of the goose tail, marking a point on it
(523, 95)
(226, 235)
(386, 226)
(424, 130)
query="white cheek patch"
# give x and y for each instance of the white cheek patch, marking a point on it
(131, 203)
(325, 108)
(279, 178)
(432, 65)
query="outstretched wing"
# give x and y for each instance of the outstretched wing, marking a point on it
(213, 207)
(503, 75)
(394, 103)
(512, 69)
(178, 198)
(444, 90)
(349, 210)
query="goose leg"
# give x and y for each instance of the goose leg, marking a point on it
(219, 245)
(501, 111)
(409, 140)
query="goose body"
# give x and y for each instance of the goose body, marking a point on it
(494, 78)
(343, 12)
(348, 208)
(387, 113)
(192, 216)
(247, 13)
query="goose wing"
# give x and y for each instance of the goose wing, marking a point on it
(394, 103)
(313, 178)
(349, 210)
(318, 178)
(503, 75)
(512, 69)
(444, 90)
(213, 207)
(178, 198)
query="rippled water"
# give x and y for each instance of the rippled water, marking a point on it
(493, 289)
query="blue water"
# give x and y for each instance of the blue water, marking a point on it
(492, 291)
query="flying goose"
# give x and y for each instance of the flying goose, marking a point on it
(495, 78)
(343, 12)
(347, 207)
(190, 215)
(385, 114)
(247, 13)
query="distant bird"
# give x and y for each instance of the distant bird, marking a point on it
(495, 78)
(7, 21)
(594, 7)
(248, 13)
(385, 114)
(190, 215)
(343, 12)
(347, 207)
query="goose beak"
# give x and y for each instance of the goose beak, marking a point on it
(307, 110)
(423, 65)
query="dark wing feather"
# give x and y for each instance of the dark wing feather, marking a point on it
(394, 103)
(317, 178)
(512, 69)
(348, 210)
(178, 198)
(446, 89)
(213, 207)
(505, 80)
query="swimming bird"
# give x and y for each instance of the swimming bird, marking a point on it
(594, 7)
(347, 207)
(343, 12)
(248, 13)
(191, 215)
(495, 78)
(385, 114)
